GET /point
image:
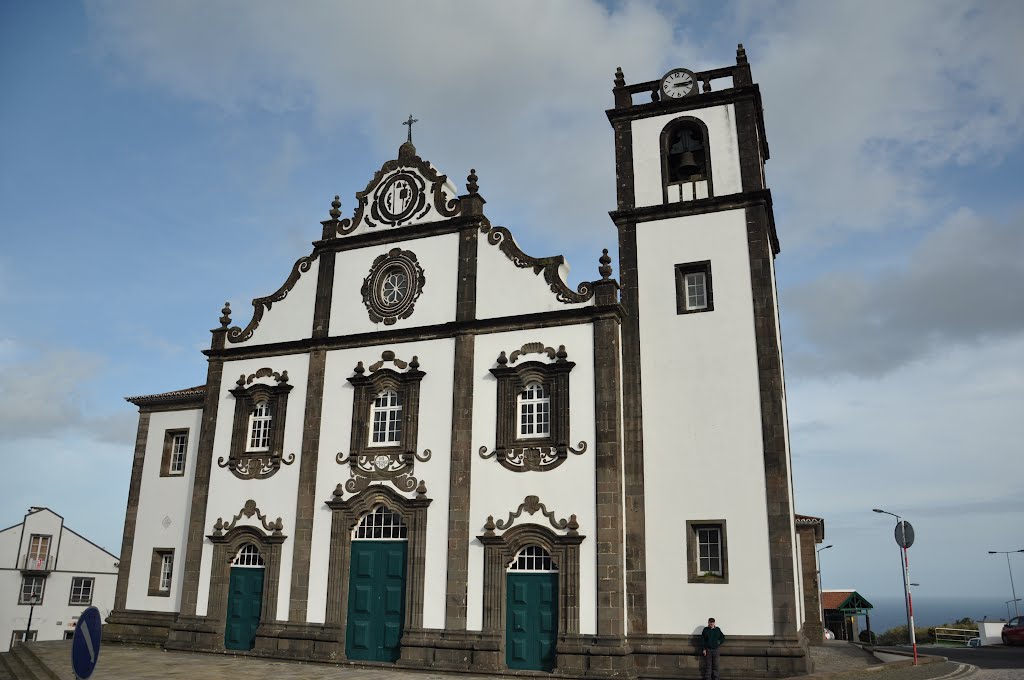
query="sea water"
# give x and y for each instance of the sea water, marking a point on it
(935, 611)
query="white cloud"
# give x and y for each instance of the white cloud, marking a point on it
(960, 285)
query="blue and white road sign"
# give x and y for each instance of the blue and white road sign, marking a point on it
(85, 646)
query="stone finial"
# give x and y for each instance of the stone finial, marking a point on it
(218, 528)
(561, 355)
(336, 207)
(620, 77)
(655, 95)
(284, 377)
(278, 525)
(421, 490)
(502, 359)
(339, 491)
(741, 54)
(359, 370)
(707, 84)
(225, 318)
(471, 185)
(415, 363)
(241, 380)
(573, 525)
(605, 270)
(489, 526)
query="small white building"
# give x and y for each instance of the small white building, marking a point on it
(426, 449)
(48, 570)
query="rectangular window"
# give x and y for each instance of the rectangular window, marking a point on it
(22, 636)
(707, 555)
(161, 571)
(387, 419)
(693, 287)
(534, 412)
(31, 590)
(259, 427)
(81, 590)
(175, 448)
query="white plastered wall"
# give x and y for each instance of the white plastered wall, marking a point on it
(723, 151)
(163, 500)
(503, 289)
(436, 359)
(703, 451)
(287, 319)
(437, 255)
(275, 496)
(566, 490)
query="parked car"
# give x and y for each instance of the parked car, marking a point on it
(1013, 631)
(829, 635)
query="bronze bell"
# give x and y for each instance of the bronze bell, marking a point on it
(687, 164)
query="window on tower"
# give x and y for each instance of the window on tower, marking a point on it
(693, 288)
(686, 166)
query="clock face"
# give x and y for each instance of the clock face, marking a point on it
(678, 83)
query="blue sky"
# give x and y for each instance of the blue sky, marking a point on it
(159, 159)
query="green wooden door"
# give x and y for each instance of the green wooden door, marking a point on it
(245, 599)
(376, 600)
(531, 625)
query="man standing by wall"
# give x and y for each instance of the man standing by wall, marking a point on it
(712, 638)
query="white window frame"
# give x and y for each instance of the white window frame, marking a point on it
(39, 547)
(260, 422)
(706, 562)
(179, 447)
(386, 412)
(35, 586)
(166, 571)
(85, 585)
(696, 291)
(248, 557)
(533, 559)
(381, 524)
(533, 412)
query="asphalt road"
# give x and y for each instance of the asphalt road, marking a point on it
(992, 656)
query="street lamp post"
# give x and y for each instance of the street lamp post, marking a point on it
(1012, 589)
(905, 566)
(821, 605)
(32, 602)
(1014, 601)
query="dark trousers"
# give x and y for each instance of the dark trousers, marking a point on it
(711, 665)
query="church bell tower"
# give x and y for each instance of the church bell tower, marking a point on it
(708, 488)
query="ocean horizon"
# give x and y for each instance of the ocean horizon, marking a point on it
(934, 611)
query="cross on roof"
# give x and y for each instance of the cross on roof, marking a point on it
(409, 123)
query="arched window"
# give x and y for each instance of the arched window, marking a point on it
(533, 558)
(534, 406)
(386, 416)
(248, 556)
(686, 164)
(259, 427)
(381, 524)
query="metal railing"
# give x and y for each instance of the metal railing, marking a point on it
(33, 562)
(954, 636)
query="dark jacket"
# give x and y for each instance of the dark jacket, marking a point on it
(712, 638)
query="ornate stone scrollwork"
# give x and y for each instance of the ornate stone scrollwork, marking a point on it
(259, 465)
(532, 458)
(262, 304)
(248, 510)
(532, 505)
(394, 467)
(502, 237)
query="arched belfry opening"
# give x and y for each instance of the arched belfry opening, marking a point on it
(685, 161)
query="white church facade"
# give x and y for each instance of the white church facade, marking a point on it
(425, 449)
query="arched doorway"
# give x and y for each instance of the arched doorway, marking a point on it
(376, 588)
(531, 627)
(245, 598)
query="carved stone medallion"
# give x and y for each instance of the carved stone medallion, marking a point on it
(393, 285)
(398, 199)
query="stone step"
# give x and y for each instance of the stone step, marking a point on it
(5, 672)
(42, 665)
(17, 668)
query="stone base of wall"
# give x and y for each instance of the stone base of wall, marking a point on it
(814, 632)
(140, 627)
(742, 656)
(577, 656)
(299, 641)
